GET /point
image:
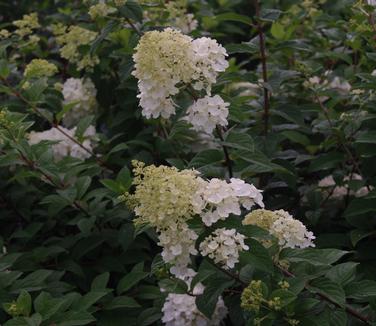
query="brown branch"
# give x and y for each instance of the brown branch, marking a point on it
(324, 297)
(53, 124)
(263, 66)
(341, 143)
(225, 152)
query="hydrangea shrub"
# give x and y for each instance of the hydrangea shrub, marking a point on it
(187, 163)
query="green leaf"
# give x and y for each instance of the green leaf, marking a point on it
(89, 299)
(100, 282)
(207, 302)
(130, 280)
(329, 288)
(24, 303)
(82, 185)
(313, 256)
(362, 290)
(122, 302)
(326, 161)
(46, 305)
(278, 31)
(233, 17)
(75, 318)
(174, 286)
(270, 15)
(342, 273)
(4, 69)
(257, 257)
(286, 296)
(338, 318)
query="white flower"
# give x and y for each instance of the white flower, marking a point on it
(181, 310)
(290, 232)
(217, 199)
(65, 146)
(224, 247)
(178, 242)
(81, 93)
(371, 2)
(208, 112)
(210, 60)
(164, 60)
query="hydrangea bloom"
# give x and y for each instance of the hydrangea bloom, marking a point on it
(291, 233)
(217, 199)
(163, 194)
(40, 68)
(181, 309)
(70, 40)
(65, 146)
(208, 112)
(224, 247)
(210, 59)
(168, 58)
(178, 242)
(163, 59)
(82, 92)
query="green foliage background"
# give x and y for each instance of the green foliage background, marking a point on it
(72, 255)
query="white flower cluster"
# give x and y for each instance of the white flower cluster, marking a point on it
(167, 59)
(290, 232)
(181, 310)
(208, 112)
(64, 145)
(224, 247)
(217, 199)
(178, 243)
(167, 199)
(81, 94)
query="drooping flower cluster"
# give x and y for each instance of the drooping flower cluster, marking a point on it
(71, 40)
(291, 233)
(167, 199)
(217, 199)
(208, 112)
(164, 60)
(81, 94)
(65, 146)
(40, 68)
(223, 246)
(181, 309)
(162, 199)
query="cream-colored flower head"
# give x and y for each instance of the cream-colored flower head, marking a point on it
(27, 24)
(40, 68)
(291, 233)
(162, 60)
(70, 43)
(163, 194)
